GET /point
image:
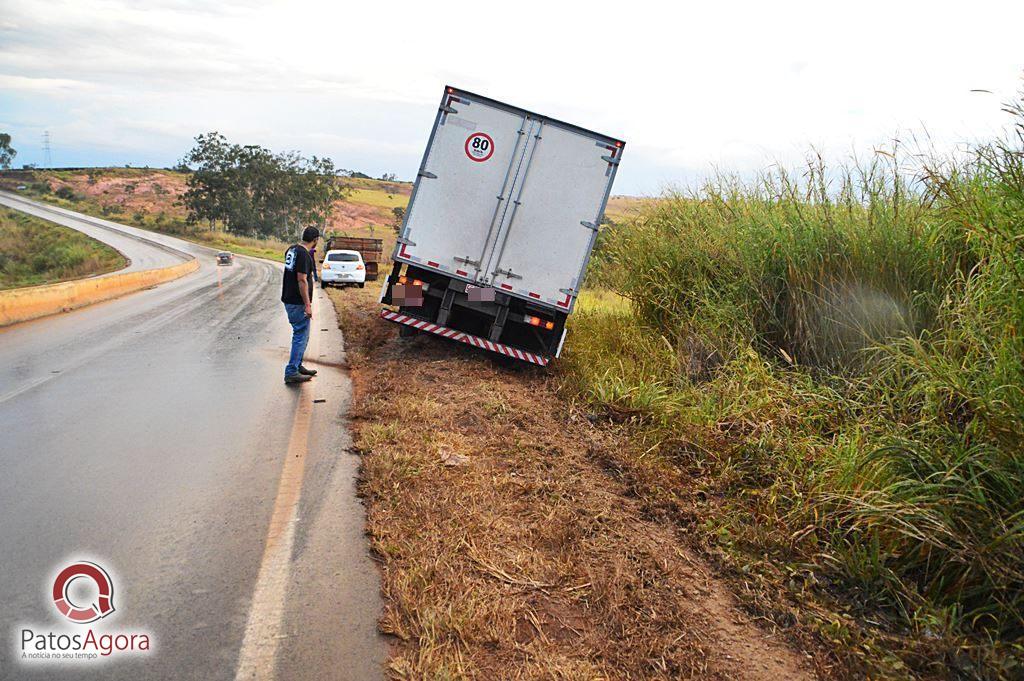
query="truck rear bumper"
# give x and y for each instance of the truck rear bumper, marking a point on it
(464, 337)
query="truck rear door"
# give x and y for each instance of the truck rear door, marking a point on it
(461, 194)
(558, 200)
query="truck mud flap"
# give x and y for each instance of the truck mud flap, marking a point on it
(464, 337)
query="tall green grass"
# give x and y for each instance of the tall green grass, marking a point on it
(838, 357)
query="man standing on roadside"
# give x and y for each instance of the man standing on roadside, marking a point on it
(297, 296)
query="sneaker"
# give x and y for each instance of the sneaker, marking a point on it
(306, 372)
(297, 378)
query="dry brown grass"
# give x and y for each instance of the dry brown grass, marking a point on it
(509, 545)
(625, 208)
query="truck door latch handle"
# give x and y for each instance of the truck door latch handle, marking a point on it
(468, 261)
(508, 273)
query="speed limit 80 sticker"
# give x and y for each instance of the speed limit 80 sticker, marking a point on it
(479, 147)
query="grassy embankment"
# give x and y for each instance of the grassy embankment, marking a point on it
(150, 199)
(34, 251)
(836, 363)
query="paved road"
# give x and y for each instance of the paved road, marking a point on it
(153, 435)
(144, 250)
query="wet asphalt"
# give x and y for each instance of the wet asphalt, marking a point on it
(148, 434)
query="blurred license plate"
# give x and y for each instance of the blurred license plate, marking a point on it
(479, 294)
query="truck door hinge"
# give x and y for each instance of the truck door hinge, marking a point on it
(610, 159)
(508, 273)
(427, 174)
(407, 242)
(569, 291)
(588, 224)
(448, 109)
(468, 261)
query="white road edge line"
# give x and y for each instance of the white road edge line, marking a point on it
(257, 658)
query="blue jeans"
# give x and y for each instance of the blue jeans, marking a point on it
(300, 336)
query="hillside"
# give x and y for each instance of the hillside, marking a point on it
(150, 197)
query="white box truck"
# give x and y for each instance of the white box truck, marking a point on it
(499, 228)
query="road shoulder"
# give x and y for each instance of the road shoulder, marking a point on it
(508, 545)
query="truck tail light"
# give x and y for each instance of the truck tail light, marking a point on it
(537, 321)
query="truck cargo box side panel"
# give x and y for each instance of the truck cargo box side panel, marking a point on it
(457, 197)
(547, 244)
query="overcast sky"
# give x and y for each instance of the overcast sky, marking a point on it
(689, 86)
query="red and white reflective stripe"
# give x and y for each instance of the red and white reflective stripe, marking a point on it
(464, 337)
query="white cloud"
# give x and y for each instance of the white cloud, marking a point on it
(49, 85)
(736, 85)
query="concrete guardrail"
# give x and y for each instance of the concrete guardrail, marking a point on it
(23, 304)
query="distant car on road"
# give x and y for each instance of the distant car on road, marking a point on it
(22, 187)
(343, 268)
(225, 258)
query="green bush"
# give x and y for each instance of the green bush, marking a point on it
(66, 192)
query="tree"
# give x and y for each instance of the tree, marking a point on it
(7, 152)
(399, 215)
(66, 192)
(252, 191)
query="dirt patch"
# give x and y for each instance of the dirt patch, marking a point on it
(508, 548)
(352, 217)
(149, 192)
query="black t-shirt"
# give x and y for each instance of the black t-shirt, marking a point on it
(296, 259)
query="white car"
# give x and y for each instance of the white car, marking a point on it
(343, 268)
